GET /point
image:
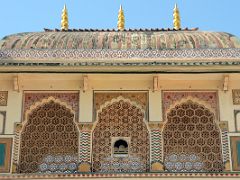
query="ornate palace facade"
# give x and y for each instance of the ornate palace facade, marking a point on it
(119, 103)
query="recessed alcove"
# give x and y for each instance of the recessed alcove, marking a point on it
(120, 147)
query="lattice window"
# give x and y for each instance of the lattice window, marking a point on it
(49, 131)
(120, 148)
(192, 139)
(121, 119)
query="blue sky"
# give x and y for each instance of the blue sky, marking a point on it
(31, 15)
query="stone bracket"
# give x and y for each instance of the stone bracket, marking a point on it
(85, 83)
(156, 83)
(16, 83)
(225, 82)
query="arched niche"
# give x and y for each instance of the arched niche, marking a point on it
(120, 120)
(2, 121)
(192, 139)
(120, 148)
(49, 131)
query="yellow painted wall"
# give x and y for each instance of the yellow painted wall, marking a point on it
(117, 82)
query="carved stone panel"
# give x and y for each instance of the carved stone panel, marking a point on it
(49, 131)
(236, 96)
(3, 98)
(71, 98)
(139, 97)
(121, 119)
(192, 139)
(170, 98)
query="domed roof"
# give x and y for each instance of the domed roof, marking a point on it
(120, 40)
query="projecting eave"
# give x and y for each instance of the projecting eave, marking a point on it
(218, 66)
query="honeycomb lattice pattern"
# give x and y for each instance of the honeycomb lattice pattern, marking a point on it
(121, 119)
(50, 130)
(191, 130)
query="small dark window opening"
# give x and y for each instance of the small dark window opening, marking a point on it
(120, 147)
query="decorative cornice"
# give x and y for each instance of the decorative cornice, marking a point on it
(106, 55)
(195, 60)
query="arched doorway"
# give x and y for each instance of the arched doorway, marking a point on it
(121, 125)
(192, 141)
(50, 135)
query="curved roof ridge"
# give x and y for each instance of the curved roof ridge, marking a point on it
(120, 40)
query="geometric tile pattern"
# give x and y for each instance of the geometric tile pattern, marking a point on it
(172, 97)
(226, 175)
(117, 119)
(192, 139)
(85, 147)
(167, 57)
(122, 165)
(225, 145)
(225, 142)
(71, 98)
(156, 142)
(85, 142)
(3, 98)
(59, 164)
(156, 146)
(101, 98)
(49, 130)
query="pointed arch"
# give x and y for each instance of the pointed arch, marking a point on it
(116, 119)
(49, 128)
(192, 139)
(114, 100)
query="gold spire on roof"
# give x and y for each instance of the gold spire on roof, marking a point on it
(121, 19)
(176, 18)
(64, 22)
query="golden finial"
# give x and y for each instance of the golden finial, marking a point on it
(121, 19)
(176, 18)
(64, 22)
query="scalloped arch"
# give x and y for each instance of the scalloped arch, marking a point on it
(107, 103)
